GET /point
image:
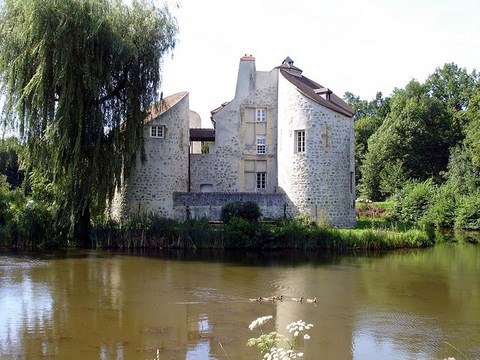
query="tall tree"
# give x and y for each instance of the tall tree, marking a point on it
(472, 140)
(453, 86)
(79, 78)
(417, 133)
(369, 115)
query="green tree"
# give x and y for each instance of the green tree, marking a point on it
(79, 78)
(453, 86)
(369, 115)
(418, 132)
(363, 108)
(472, 140)
(462, 174)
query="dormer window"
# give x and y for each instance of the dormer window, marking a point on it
(323, 92)
(157, 131)
(260, 114)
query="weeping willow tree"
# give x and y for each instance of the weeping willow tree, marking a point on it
(79, 77)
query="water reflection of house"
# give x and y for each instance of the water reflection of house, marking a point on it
(284, 141)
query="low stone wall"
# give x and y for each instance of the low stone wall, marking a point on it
(209, 205)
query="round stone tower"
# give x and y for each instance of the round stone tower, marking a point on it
(316, 149)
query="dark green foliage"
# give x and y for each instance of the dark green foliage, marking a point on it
(248, 210)
(468, 212)
(393, 177)
(239, 233)
(138, 231)
(377, 108)
(441, 213)
(418, 132)
(472, 127)
(413, 201)
(9, 162)
(150, 231)
(462, 174)
(197, 233)
(369, 115)
(453, 86)
(423, 124)
(297, 233)
(25, 223)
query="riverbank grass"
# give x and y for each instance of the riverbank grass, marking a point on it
(297, 233)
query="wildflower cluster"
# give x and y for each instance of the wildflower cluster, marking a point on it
(259, 322)
(298, 327)
(269, 343)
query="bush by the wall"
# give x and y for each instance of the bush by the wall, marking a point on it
(239, 233)
(248, 210)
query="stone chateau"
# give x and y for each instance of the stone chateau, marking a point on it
(284, 141)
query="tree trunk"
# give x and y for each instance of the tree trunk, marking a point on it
(82, 228)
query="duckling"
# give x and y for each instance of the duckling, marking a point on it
(277, 297)
(312, 301)
(300, 299)
(256, 299)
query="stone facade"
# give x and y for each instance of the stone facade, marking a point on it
(284, 141)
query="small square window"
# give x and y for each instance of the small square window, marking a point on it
(260, 114)
(261, 180)
(300, 146)
(157, 131)
(261, 144)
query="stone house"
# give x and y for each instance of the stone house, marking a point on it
(284, 141)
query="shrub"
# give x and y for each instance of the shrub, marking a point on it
(413, 201)
(467, 215)
(441, 213)
(248, 210)
(239, 233)
(34, 223)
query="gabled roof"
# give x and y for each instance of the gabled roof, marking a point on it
(165, 104)
(315, 92)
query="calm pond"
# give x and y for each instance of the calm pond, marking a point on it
(103, 305)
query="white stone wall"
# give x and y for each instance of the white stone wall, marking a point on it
(165, 171)
(199, 205)
(204, 170)
(319, 181)
(195, 123)
(233, 144)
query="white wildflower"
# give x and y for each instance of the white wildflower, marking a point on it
(306, 337)
(259, 322)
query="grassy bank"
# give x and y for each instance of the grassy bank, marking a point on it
(299, 233)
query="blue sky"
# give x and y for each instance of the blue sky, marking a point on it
(361, 46)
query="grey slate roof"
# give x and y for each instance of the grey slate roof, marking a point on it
(314, 91)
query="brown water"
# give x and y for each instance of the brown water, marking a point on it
(98, 305)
